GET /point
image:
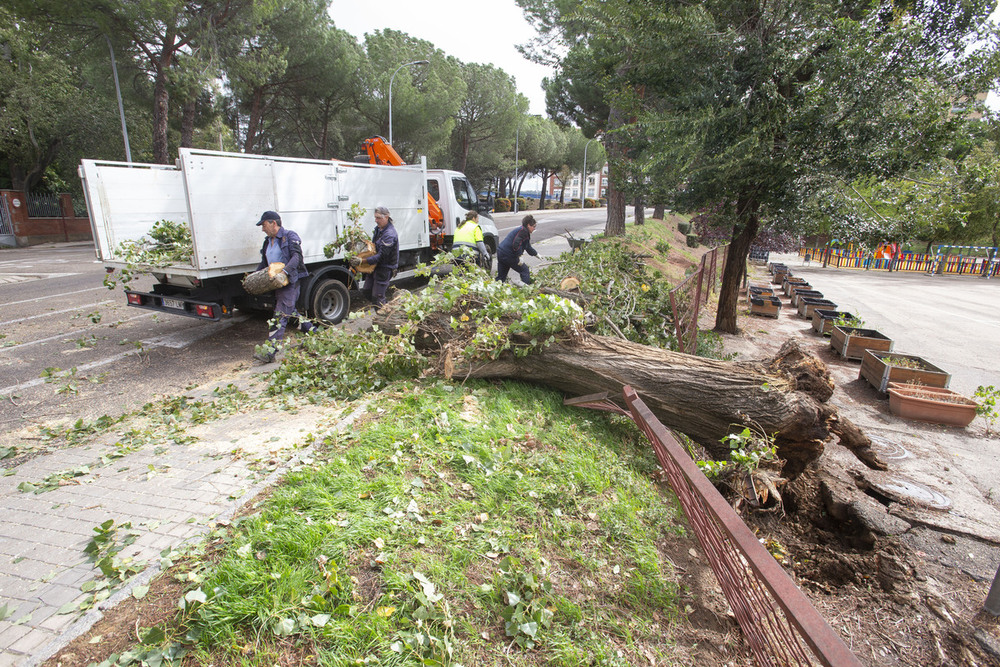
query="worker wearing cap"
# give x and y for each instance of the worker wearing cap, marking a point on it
(285, 246)
(385, 259)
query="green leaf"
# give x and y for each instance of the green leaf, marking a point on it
(68, 608)
(139, 592)
(154, 635)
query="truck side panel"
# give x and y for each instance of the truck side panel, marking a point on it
(400, 189)
(125, 202)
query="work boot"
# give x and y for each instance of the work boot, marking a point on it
(264, 357)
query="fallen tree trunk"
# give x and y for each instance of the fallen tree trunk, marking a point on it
(705, 399)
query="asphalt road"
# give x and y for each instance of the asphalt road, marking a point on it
(70, 348)
(951, 321)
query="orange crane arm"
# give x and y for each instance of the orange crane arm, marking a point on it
(380, 152)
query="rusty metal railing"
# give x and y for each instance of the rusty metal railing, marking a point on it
(780, 624)
(686, 298)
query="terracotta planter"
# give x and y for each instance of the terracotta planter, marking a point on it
(879, 373)
(851, 342)
(931, 404)
(765, 305)
(799, 293)
(823, 320)
(807, 305)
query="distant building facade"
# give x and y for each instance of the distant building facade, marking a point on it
(596, 186)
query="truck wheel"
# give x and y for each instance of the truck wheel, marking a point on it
(331, 302)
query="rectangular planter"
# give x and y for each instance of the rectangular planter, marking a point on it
(851, 342)
(765, 305)
(823, 319)
(774, 266)
(808, 305)
(879, 374)
(779, 276)
(798, 293)
(791, 283)
(931, 404)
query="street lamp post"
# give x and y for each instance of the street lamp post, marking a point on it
(415, 62)
(583, 177)
(517, 138)
(121, 108)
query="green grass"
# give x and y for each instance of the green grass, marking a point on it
(480, 525)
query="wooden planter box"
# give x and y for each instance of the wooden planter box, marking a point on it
(879, 374)
(791, 282)
(808, 305)
(765, 305)
(851, 342)
(823, 320)
(799, 293)
(931, 404)
(774, 266)
(779, 276)
(756, 290)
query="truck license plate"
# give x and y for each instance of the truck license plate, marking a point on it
(173, 303)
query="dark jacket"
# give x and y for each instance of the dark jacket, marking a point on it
(386, 243)
(291, 254)
(517, 243)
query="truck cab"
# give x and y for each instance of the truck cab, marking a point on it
(455, 195)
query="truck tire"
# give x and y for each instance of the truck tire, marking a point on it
(331, 302)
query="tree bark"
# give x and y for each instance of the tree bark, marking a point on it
(615, 225)
(161, 100)
(187, 123)
(659, 211)
(743, 236)
(639, 209)
(705, 399)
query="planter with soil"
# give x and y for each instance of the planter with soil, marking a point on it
(799, 293)
(765, 305)
(779, 274)
(791, 281)
(881, 368)
(807, 305)
(824, 320)
(851, 342)
(931, 404)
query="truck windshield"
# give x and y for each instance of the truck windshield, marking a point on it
(464, 193)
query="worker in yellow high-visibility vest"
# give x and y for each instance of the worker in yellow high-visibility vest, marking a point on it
(469, 237)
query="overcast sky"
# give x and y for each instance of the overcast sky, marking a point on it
(481, 31)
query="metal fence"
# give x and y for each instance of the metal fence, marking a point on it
(686, 298)
(780, 624)
(43, 205)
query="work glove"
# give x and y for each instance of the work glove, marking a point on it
(354, 262)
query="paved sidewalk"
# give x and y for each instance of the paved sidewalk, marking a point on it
(170, 493)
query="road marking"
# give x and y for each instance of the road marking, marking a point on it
(181, 339)
(55, 296)
(57, 312)
(64, 335)
(12, 278)
(175, 341)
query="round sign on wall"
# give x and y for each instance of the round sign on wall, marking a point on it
(16, 203)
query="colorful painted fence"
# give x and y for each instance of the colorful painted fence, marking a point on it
(907, 261)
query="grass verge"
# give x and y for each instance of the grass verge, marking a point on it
(479, 525)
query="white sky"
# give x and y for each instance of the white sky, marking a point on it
(480, 31)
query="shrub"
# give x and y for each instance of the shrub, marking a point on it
(684, 228)
(662, 247)
(604, 201)
(692, 240)
(589, 203)
(522, 204)
(501, 205)
(573, 204)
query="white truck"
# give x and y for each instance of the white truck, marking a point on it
(220, 196)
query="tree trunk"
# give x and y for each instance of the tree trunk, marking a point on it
(705, 399)
(187, 123)
(639, 209)
(615, 226)
(659, 211)
(545, 187)
(747, 212)
(161, 100)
